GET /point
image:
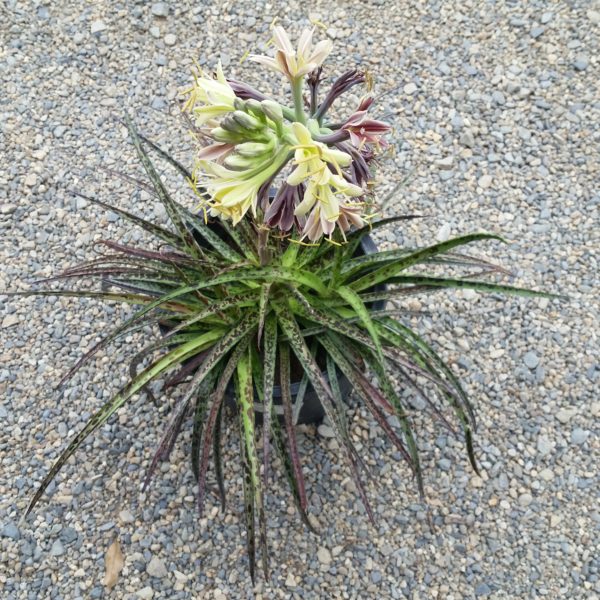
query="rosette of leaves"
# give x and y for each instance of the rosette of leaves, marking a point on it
(236, 316)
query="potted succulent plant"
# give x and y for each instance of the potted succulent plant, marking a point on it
(266, 286)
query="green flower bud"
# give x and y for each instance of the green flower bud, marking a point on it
(255, 148)
(273, 110)
(255, 108)
(220, 134)
(239, 104)
(246, 121)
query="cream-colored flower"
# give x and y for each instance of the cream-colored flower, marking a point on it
(317, 224)
(311, 158)
(210, 98)
(295, 63)
(314, 162)
(234, 190)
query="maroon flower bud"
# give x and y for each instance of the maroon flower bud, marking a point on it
(280, 213)
(342, 84)
(245, 91)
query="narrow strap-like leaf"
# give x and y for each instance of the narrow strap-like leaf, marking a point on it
(441, 282)
(269, 358)
(262, 308)
(390, 393)
(155, 230)
(203, 400)
(373, 398)
(290, 327)
(170, 206)
(109, 408)
(383, 274)
(222, 248)
(164, 154)
(217, 457)
(286, 401)
(295, 485)
(245, 397)
(353, 299)
(213, 415)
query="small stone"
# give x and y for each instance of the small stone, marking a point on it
(158, 103)
(410, 89)
(546, 475)
(544, 445)
(483, 589)
(145, 593)
(498, 98)
(326, 431)
(594, 16)
(68, 535)
(564, 415)
(531, 360)
(170, 39)
(10, 530)
(160, 9)
(31, 180)
(97, 26)
(579, 436)
(443, 234)
(290, 580)
(57, 549)
(9, 321)
(156, 567)
(485, 181)
(161, 60)
(525, 499)
(376, 577)
(536, 32)
(59, 131)
(445, 163)
(581, 63)
(467, 138)
(546, 17)
(126, 517)
(324, 555)
(444, 464)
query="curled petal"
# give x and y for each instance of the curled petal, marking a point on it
(215, 151)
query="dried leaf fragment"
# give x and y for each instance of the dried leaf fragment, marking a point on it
(113, 562)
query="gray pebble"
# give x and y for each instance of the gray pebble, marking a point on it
(581, 63)
(156, 567)
(579, 436)
(531, 360)
(10, 530)
(97, 26)
(160, 9)
(57, 548)
(536, 32)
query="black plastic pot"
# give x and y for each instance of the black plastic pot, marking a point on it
(311, 410)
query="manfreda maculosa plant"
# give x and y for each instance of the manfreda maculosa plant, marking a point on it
(261, 270)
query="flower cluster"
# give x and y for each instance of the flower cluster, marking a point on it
(321, 168)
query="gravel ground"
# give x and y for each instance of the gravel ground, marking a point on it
(496, 109)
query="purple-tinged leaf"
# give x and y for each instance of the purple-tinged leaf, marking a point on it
(286, 401)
